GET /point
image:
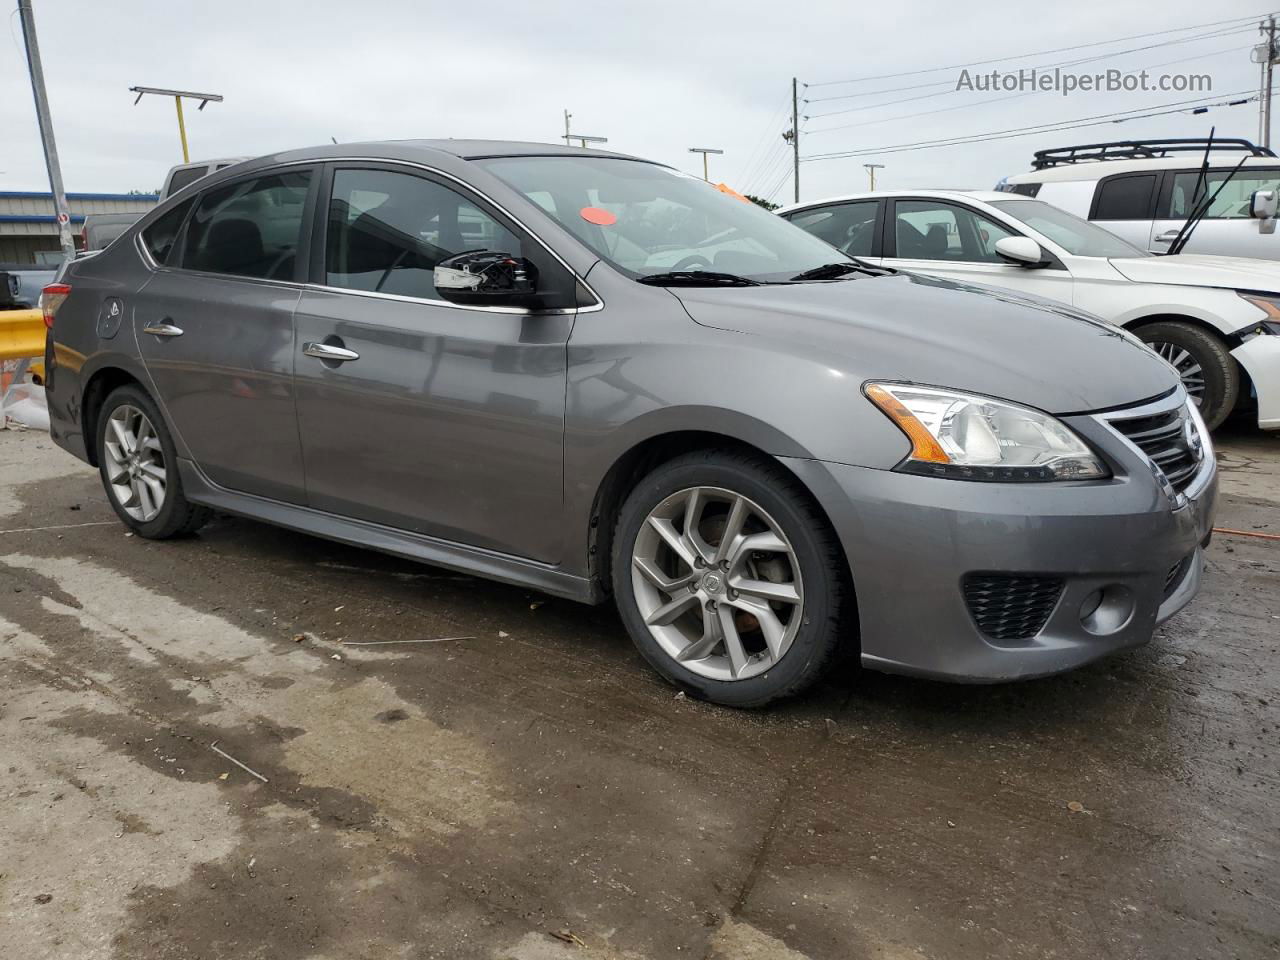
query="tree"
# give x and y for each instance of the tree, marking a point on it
(761, 202)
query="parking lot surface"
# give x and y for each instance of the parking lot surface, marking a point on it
(213, 748)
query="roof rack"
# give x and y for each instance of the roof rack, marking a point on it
(1141, 150)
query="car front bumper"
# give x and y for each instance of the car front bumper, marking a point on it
(1260, 356)
(910, 542)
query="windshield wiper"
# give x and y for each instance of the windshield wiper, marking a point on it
(833, 271)
(697, 278)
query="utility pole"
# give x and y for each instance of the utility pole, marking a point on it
(1264, 101)
(871, 169)
(704, 151)
(795, 137)
(46, 129)
(204, 98)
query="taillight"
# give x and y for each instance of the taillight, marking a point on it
(51, 298)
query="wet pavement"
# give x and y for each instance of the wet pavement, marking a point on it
(534, 792)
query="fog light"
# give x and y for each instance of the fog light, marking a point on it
(1107, 610)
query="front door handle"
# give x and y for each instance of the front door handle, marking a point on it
(1167, 237)
(163, 329)
(325, 351)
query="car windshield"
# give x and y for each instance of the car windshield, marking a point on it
(1076, 236)
(649, 220)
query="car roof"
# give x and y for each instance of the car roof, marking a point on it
(982, 196)
(1097, 169)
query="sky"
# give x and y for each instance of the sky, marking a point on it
(655, 78)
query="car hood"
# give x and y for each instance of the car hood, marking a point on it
(1195, 270)
(932, 331)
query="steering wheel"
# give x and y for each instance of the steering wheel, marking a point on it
(693, 260)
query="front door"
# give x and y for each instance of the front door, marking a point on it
(950, 240)
(214, 326)
(1227, 230)
(435, 418)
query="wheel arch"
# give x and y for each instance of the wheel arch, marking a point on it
(645, 456)
(1190, 320)
(96, 390)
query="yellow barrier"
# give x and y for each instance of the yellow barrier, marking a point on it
(22, 335)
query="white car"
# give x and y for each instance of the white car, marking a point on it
(1216, 319)
(1143, 191)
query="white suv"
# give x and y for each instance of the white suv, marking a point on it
(1144, 191)
(1215, 319)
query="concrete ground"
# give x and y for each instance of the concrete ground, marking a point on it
(534, 792)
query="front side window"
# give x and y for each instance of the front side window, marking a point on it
(929, 230)
(250, 228)
(849, 227)
(1231, 204)
(160, 236)
(1125, 198)
(387, 231)
(648, 220)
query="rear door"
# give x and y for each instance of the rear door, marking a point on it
(444, 420)
(952, 240)
(1227, 229)
(1125, 204)
(214, 326)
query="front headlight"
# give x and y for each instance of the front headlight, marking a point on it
(971, 437)
(1268, 304)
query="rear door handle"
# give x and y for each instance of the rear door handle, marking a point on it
(1167, 237)
(325, 351)
(164, 329)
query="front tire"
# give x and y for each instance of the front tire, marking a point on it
(730, 582)
(1207, 370)
(139, 468)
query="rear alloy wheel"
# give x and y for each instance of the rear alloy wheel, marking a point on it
(1206, 368)
(139, 468)
(729, 582)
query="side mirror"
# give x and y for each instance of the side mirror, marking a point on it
(1262, 205)
(485, 278)
(1022, 251)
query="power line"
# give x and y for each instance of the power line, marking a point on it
(1048, 66)
(1039, 53)
(755, 154)
(1016, 96)
(1180, 106)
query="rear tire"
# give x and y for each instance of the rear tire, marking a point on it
(1204, 364)
(740, 619)
(139, 468)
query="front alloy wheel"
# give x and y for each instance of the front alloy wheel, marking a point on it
(718, 583)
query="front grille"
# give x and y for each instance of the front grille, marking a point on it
(1007, 607)
(1163, 437)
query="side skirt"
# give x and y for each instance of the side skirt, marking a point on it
(441, 553)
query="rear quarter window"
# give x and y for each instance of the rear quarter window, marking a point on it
(160, 236)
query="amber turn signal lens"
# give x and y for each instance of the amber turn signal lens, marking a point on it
(923, 445)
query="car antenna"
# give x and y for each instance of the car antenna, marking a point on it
(1200, 182)
(1184, 237)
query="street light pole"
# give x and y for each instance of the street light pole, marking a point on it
(871, 169)
(46, 129)
(204, 98)
(706, 175)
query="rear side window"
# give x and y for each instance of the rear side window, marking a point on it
(849, 227)
(1124, 198)
(250, 228)
(182, 178)
(159, 237)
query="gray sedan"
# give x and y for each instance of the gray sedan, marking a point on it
(594, 376)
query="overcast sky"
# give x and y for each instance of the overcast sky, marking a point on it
(656, 78)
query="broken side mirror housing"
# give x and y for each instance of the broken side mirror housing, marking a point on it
(487, 278)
